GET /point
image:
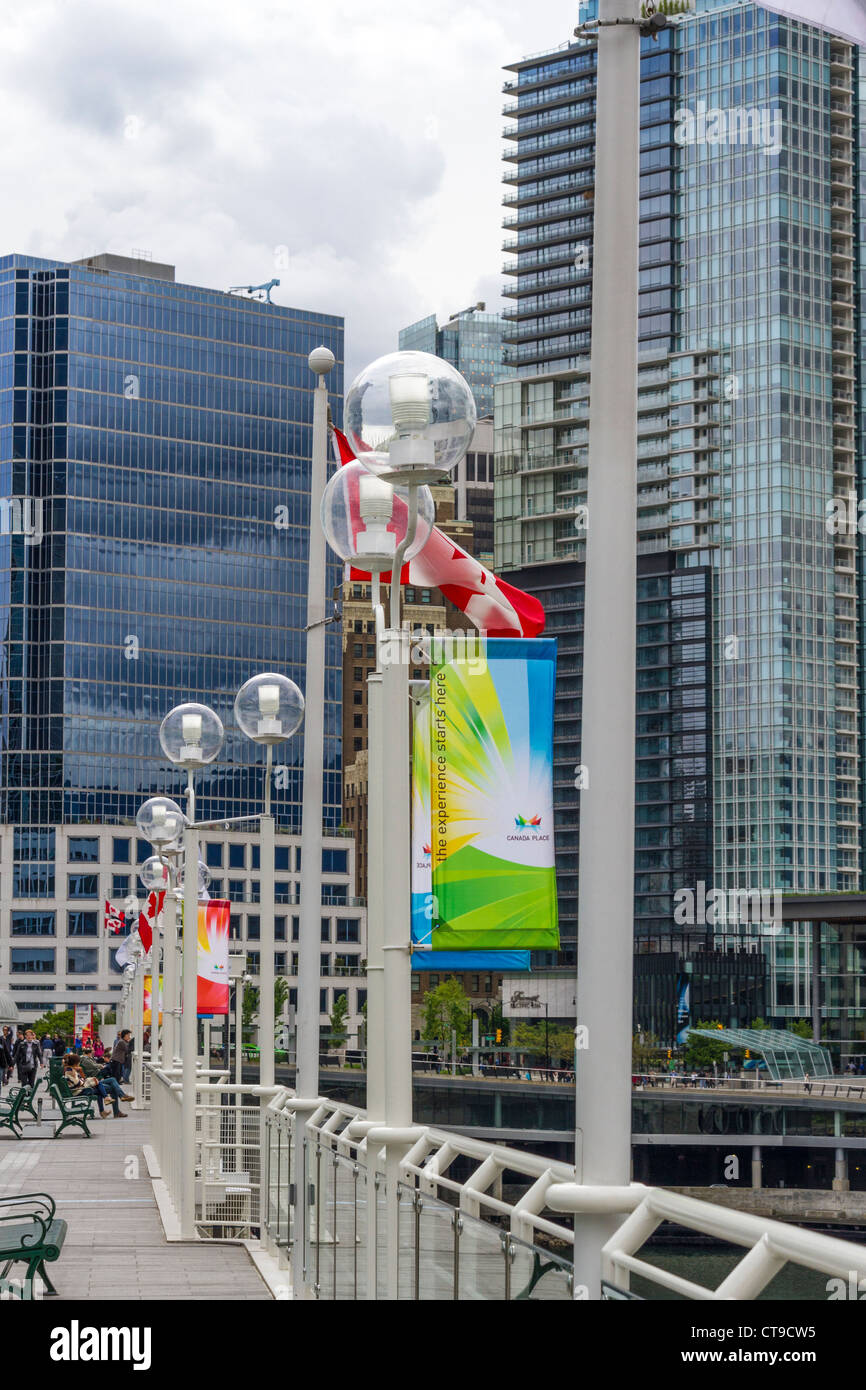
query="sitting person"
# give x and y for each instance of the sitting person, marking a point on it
(91, 1067)
(79, 1084)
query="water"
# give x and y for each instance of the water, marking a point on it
(709, 1265)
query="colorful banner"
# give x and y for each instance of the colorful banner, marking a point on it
(493, 875)
(83, 1021)
(213, 957)
(148, 1001)
(424, 958)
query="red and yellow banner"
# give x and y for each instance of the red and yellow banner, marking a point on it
(148, 1000)
(213, 957)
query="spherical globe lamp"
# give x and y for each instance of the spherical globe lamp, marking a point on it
(153, 875)
(161, 821)
(269, 708)
(415, 409)
(365, 519)
(191, 735)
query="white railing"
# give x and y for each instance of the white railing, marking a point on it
(362, 1211)
(229, 1128)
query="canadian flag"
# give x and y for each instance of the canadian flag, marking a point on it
(115, 921)
(496, 608)
(146, 921)
(847, 18)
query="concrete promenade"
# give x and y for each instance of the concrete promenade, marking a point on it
(115, 1247)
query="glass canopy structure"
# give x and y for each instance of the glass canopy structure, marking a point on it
(787, 1057)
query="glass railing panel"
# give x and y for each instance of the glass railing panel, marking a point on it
(538, 1273)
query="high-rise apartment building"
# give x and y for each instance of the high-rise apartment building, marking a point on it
(750, 686)
(155, 441)
(471, 341)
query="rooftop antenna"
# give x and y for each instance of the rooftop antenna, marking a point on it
(260, 292)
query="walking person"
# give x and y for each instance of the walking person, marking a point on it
(120, 1054)
(27, 1055)
(5, 1058)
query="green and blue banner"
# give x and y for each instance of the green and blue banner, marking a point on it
(424, 957)
(491, 788)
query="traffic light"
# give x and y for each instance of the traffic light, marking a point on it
(499, 1035)
(748, 1053)
(670, 1054)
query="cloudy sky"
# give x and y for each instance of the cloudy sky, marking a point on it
(354, 150)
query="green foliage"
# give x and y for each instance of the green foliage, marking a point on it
(702, 1052)
(445, 1008)
(530, 1037)
(801, 1028)
(64, 1023)
(338, 1020)
(647, 1053)
(759, 1024)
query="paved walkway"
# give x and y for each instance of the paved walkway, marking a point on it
(115, 1247)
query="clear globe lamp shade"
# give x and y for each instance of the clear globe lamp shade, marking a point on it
(191, 735)
(153, 875)
(414, 410)
(160, 821)
(365, 519)
(269, 708)
(203, 882)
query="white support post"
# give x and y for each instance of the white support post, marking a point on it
(377, 793)
(606, 863)
(390, 766)
(266, 954)
(307, 1073)
(189, 1032)
(137, 1072)
(169, 970)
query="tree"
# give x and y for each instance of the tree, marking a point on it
(801, 1028)
(702, 1052)
(445, 1008)
(338, 1020)
(542, 1039)
(63, 1022)
(760, 1025)
(646, 1052)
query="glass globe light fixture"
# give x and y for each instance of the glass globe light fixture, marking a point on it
(191, 735)
(161, 821)
(153, 875)
(414, 410)
(203, 878)
(269, 708)
(365, 519)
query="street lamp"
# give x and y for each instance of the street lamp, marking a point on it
(161, 821)
(269, 709)
(191, 736)
(410, 417)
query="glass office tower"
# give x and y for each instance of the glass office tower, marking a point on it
(472, 342)
(160, 434)
(750, 249)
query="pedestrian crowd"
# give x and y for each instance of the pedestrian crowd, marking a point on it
(87, 1066)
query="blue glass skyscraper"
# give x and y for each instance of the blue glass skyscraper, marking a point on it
(160, 435)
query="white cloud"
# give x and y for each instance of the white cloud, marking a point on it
(364, 138)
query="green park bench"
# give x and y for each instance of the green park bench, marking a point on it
(28, 1097)
(30, 1233)
(9, 1108)
(74, 1110)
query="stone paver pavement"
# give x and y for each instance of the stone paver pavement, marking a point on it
(115, 1247)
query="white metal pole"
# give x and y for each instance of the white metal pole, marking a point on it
(307, 1076)
(189, 1025)
(307, 1033)
(137, 1072)
(376, 890)
(266, 952)
(169, 969)
(392, 771)
(606, 863)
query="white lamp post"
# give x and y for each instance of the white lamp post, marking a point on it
(161, 821)
(191, 736)
(269, 709)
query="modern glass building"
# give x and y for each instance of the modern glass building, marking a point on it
(472, 342)
(750, 252)
(155, 443)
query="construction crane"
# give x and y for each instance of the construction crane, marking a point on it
(260, 292)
